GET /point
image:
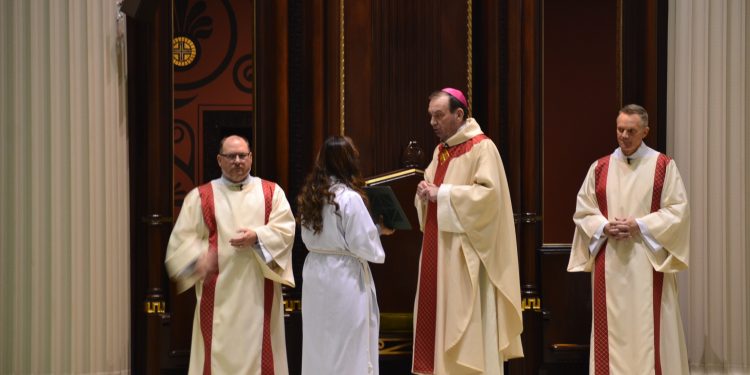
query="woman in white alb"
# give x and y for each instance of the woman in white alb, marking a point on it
(340, 316)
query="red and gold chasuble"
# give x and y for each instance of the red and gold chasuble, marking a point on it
(209, 284)
(601, 331)
(424, 339)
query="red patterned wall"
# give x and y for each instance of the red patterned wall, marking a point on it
(213, 66)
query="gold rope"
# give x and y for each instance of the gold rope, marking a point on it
(469, 69)
(342, 76)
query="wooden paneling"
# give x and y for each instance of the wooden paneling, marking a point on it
(644, 62)
(397, 53)
(272, 99)
(524, 104)
(490, 66)
(581, 100)
(150, 140)
(567, 312)
(588, 76)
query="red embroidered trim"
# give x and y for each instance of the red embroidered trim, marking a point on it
(601, 328)
(267, 367)
(659, 175)
(209, 284)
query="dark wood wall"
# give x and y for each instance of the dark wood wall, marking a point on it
(581, 99)
(150, 147)
(395, 54)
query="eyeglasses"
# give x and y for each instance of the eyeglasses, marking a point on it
(231, 157)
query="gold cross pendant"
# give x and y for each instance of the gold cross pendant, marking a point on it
(444, 155)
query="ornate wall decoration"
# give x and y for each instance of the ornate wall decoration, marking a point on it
(184, 52)
(212, 56)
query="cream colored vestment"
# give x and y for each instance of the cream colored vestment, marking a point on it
(630, 263)
(238, 306)
(478, 307)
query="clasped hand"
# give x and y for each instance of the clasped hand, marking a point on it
(427, 191)
(622, 228)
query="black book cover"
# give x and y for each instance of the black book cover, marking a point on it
(383, 202)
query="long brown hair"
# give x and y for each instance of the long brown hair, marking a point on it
(337, 158)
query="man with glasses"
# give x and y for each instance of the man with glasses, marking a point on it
(233, 241)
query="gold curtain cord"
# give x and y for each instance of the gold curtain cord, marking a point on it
(342, 75)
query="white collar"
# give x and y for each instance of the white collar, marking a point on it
(641, 152)
(458, 131)
(237, 185)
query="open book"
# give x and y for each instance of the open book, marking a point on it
(383, 202)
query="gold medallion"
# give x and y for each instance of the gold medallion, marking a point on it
(183, 51)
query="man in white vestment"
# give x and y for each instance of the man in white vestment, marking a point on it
(467, 313)
(632, 233)
(233, 241)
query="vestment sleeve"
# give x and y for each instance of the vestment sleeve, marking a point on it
(360, 233)
(189, 239)
(470, 202)
(670, 225)
(483, 209)
(588, 220)
(278, 237)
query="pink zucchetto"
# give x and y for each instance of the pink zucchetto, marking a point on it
(456, 94)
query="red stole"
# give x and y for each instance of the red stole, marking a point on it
(424, 338)
(601, 334)
(209, 284)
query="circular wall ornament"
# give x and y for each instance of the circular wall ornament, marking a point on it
(183, 51)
